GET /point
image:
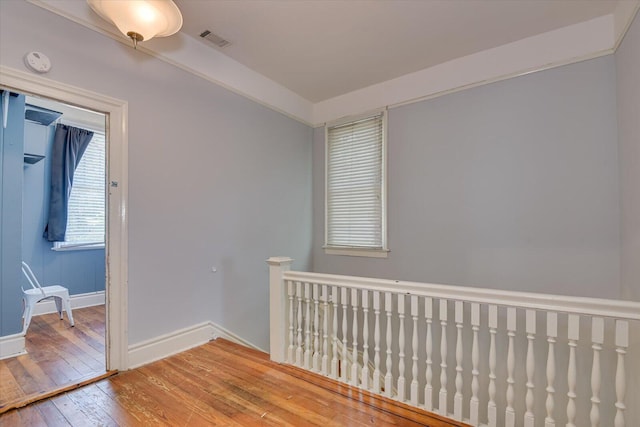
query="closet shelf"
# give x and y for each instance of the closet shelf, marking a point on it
(32, 158)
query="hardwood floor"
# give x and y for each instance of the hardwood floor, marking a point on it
(219, 383)
(58, 357)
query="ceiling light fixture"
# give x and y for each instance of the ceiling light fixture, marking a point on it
(140, 20)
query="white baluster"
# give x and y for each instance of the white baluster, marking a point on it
(552, 334)
(622, 342)
(292, 348)
(457, 398)
(510, 414)
(335, 298)
(365, 340)
(414, 347)
(325, 328)
(300, 342)
(401, 334)
(573, 335)
(345, 347)
(428, 388)
(597, 339)
(355, 367)
(388, 377)
(376, 342)
(307, 326)
(474, 405)
(530, 327)
(492, 409)
(442, 407)
(316, 327)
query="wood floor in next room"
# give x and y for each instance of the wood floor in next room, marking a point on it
(222, 384)
(58, 356)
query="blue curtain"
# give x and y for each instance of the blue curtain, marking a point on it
(69, 144)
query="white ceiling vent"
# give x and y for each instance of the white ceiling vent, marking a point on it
(215, 39)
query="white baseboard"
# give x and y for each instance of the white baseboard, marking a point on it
(141, 353)
(77, 301)
(12, 345)
(181, 340)
(169, 344)
(220, 332)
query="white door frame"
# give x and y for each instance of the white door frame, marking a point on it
(116, 248)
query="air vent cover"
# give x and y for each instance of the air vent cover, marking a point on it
(215, 39)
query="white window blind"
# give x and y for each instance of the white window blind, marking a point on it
(86, 215)
(355, 179)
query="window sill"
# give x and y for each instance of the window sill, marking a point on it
(78, 247)
(361, 252)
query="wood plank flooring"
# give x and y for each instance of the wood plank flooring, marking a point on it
(58, 356)
(219, 383)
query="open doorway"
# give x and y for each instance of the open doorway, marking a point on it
(63, 145)
(114, 253)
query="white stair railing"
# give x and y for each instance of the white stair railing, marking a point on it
(486, 357)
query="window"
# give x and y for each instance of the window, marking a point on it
(355, 187)
(86, 214)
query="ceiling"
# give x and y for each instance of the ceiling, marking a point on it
(323, 49)
(318, 61)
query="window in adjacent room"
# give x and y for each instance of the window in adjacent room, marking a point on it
(86, 214)
(355, 216)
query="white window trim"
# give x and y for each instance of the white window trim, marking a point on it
(362, 252)
(353, 251)
(67, 247)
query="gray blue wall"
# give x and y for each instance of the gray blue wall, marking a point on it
(628, 78)
(511, 185)
(214, 179)
(11, 160)
(79, 271)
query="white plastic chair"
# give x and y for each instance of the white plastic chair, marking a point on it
(31, 297)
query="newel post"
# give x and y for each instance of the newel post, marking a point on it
(278, 307)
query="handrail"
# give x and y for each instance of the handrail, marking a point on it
(549, 302)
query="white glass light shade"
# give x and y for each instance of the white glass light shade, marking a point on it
(146, 18)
